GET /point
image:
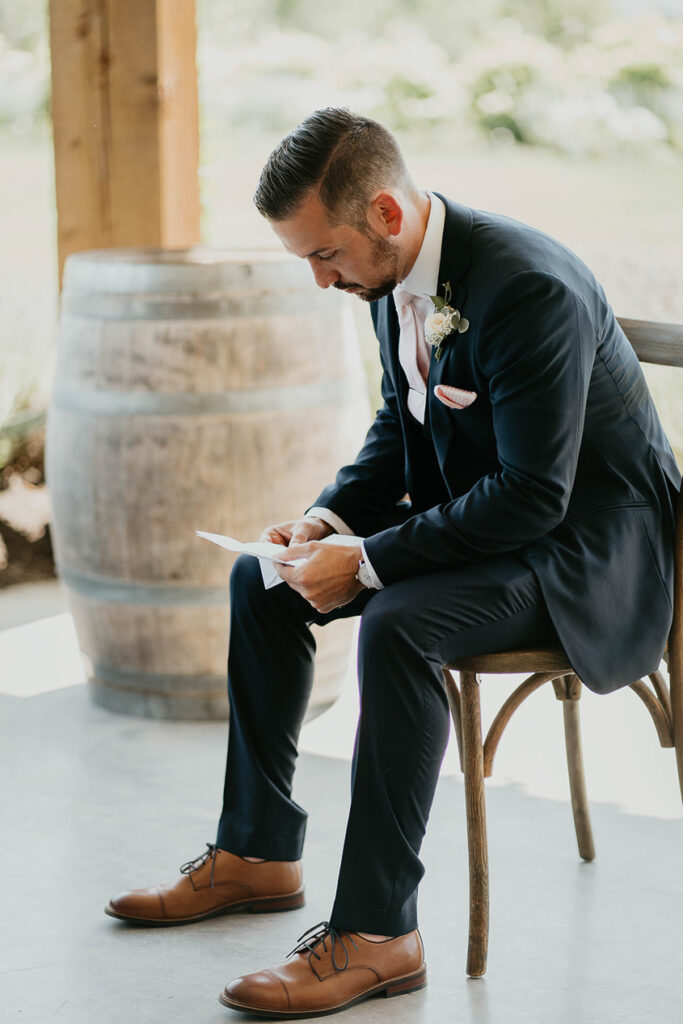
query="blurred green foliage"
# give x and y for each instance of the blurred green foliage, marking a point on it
(24, 23)
(578, 76)
(455, 24)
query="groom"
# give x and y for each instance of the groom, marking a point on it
(541, 511)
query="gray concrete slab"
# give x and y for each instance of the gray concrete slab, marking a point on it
(29, 602)
(94, 802)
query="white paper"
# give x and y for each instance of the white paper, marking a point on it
(267, 553)
(259, 548)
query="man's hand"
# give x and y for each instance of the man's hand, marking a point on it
(327, 579)
(296, 531)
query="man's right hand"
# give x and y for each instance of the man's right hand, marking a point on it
(297, 531)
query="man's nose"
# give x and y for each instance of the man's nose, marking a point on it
(324, 276)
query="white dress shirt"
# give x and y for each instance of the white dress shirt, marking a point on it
(420, 283)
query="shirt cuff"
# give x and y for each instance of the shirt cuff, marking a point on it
(331, 518)
(376, 581)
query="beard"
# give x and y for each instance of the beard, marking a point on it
(382, 252)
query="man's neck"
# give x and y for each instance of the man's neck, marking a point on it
(417, 217)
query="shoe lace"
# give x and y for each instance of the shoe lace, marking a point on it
(194, 865)
(321, 933)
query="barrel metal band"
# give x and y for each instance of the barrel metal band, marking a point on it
(151, 403)
(163, 594)
(142, 306)
(149, 683)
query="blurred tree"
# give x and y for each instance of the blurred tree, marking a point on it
(455, 25)
(24, 23)
(562, 22)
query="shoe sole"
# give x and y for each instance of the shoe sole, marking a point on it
(395, 987)
(261, 905)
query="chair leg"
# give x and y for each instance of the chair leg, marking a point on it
(675, 665)
(475, 803)
(577, 779)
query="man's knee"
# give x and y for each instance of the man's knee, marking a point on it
(247, 592)
(246, 579)
(392, 665)
(383, 620)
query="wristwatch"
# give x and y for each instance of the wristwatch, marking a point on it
(363, 575)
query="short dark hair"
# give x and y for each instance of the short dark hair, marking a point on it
(348, 157)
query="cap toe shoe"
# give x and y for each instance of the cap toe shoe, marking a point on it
(328, 976)
(216, 882)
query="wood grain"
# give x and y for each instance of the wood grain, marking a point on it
(125, 122)
(477, 843)
(654, 342)
(577, 776)
(540, 659)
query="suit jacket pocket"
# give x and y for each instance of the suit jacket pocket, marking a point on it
(455, 398)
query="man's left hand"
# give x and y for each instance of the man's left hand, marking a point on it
(327, 579)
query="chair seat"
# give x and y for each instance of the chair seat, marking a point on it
(537, 659)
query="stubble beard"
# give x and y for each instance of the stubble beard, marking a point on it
(382, 251)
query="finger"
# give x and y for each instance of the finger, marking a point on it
(296, 586)
(301, 535)
(276, 535)
(304, 550)
(286, 576)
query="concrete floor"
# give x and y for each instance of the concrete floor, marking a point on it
(94, 802)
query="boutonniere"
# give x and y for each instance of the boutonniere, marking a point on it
(445, 320)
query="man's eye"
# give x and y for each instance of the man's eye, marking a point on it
(328, 257)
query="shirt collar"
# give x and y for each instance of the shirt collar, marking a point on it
(423, 279)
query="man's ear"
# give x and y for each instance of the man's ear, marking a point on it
(386, 214)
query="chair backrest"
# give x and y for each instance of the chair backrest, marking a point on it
(655, 342)
(662, 344)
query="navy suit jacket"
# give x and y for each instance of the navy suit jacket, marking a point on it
(561, 459)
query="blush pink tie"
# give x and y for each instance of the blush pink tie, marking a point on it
(412, 333)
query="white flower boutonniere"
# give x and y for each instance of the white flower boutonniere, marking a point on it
(443, 321)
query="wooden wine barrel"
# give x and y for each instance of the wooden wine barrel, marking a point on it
(194, 390)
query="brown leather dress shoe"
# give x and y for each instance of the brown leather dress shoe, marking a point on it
(328, 971)
(216, 882)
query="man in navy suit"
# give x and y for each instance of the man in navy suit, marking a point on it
(541, 510)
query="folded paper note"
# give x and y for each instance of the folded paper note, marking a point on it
(268, 553)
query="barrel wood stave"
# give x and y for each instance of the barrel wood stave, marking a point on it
(159, 426)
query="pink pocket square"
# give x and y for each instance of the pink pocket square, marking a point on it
(454, 398)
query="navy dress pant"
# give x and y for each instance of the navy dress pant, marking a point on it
(408, 630)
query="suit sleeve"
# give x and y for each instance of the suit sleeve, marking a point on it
(372, 484)
(536, 347)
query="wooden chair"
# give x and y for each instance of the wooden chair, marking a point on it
(653, 343)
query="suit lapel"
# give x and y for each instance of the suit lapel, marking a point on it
(388, 333)
(455, 262)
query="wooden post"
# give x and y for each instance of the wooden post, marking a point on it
(126, 137)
